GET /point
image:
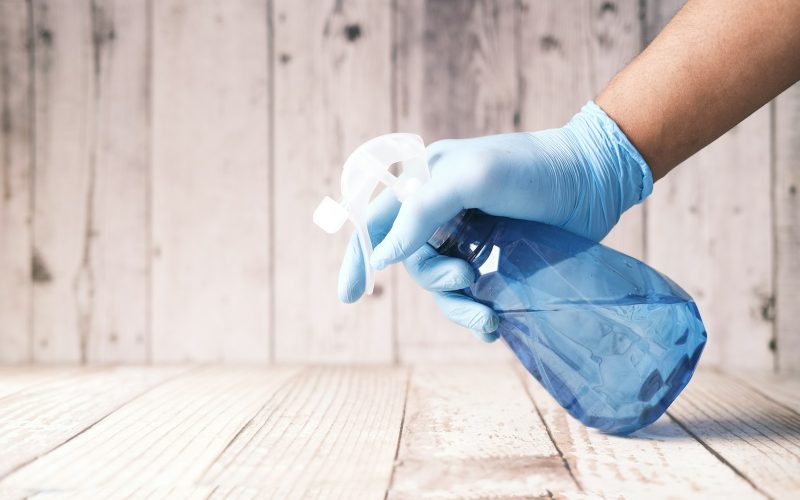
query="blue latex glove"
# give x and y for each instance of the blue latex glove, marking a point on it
(580, 177)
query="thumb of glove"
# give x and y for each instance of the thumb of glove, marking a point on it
(435, 203)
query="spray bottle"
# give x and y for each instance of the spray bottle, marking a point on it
(611, 339)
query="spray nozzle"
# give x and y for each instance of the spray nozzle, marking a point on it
(364, 169)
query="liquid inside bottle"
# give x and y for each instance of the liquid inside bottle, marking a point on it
(613, 340)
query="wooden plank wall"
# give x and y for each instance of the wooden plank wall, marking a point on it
(473, 91)
(16, 177)
(786, 216)
(332, 77)
(161, 159)
(210, 189)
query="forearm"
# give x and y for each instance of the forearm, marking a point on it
(713, 65)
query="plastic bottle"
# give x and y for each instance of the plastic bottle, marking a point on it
(613, 340)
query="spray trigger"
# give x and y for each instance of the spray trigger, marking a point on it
(366, 168)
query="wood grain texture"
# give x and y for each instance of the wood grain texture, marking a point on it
(89, 259)
(115, 247)
(568, 52)
(331, 433)
(756, 435)
(129, 491)
(211, 190)
(455, 77)
(470, 431)
(65, 136)
(660, 461)
(42, 417)
(16, 177)
(16, 378)
(332, 66)
(207, 409)
(454, 431)
(786, 213)
(782, 388)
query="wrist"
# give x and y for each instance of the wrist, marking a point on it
(619, 176)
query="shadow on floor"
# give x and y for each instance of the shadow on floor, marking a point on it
(783, 424)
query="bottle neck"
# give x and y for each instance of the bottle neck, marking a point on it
(444, 237)
(465, 235)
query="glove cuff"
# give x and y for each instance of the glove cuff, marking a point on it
(633, 173)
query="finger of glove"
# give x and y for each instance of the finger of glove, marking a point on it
(352, 276)
(420, 215)
(464, 311)
(438, 273)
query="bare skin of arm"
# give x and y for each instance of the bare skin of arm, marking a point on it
(713, 65)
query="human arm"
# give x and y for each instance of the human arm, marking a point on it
(713, 65)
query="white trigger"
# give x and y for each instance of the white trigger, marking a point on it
(364, 169)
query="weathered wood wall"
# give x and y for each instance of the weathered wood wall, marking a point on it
(161, 159)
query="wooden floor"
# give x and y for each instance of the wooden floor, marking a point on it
(458, 431)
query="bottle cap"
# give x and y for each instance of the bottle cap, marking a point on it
(367, 167)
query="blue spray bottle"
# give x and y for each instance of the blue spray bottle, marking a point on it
(610, 338)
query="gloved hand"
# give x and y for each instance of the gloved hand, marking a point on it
(580, 177)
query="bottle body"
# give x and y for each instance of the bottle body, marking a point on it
(613, 340)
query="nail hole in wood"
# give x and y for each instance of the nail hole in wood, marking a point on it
(39, 271)
(608, 7)
(352, 32)
(549, 42)
(46, 36)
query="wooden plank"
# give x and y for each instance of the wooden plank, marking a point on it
(36, 420)
(786, 207)
(754, 434)
(782, 389)
(64, 100)
(470, 431)
(16, 378)
(233, 493)
(90, 221)
(719, 248)
(211, 186)
(170, 435)
(659, 461)
(455, 77)
(131, 491)
(331, 433)
(115, 250)
(16, 170)
(332, 65)
(568, 52)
